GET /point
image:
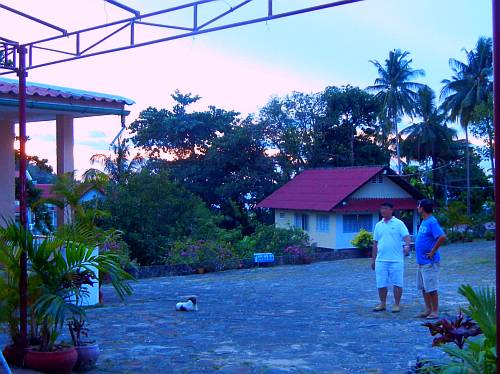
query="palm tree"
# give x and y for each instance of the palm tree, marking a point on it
(116, 167)
(468, 88)
(396, 90)
(429, 138)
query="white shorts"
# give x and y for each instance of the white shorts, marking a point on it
(389, 273)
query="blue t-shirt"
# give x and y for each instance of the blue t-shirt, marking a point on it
(427, 236)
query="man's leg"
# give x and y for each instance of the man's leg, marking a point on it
(434, 303)
(398, 292)
(382, 294)
(381, 276)
(428, 305)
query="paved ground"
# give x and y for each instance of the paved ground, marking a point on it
(309, 319)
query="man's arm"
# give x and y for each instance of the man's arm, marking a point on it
(438, 244)
(374, 253)
(406, 247)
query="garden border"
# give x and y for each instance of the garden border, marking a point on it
(155, 271)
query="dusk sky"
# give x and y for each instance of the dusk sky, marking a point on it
(241, 68)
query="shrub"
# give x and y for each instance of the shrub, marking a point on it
(363, 239)
(489, 235)
(268, 238)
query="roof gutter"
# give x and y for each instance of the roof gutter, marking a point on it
(32, 104)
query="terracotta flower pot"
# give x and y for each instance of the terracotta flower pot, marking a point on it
(57, 362)
(87, 357)
(14, 355)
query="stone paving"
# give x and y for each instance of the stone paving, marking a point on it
(301, 319)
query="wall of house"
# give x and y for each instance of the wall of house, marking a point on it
(286, 219)
(343, 239)
(380, 188)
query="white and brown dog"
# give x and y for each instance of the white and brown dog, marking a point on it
(187, 306)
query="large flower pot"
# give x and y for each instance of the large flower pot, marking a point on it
(87, 357)
(57, 362)
(14, 354)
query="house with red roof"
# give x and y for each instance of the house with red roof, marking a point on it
(333, 204)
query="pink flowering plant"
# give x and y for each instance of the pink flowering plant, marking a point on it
(303, 253)
(209, 254)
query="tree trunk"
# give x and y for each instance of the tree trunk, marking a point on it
(491, 146)
(434, 179)
(352, 146)
(467, 168)
(398, 154)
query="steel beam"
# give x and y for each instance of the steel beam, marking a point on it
(37, 20)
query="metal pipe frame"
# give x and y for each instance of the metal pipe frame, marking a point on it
(30, 17)
(496, 119)
(76, 52)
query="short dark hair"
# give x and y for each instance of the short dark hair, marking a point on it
(427, 205)
(387, 204)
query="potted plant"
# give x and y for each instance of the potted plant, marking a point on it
(364, 241)
(59, 270)
(87, 350)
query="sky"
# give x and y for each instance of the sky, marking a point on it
(240, 69)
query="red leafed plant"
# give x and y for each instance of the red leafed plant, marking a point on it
(455, 330)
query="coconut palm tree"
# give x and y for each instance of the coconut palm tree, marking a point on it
(430, 137)
(117, 166)
(396, 90)
(468, 88)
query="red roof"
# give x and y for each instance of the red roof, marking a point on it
(371, 205)
(323, 189)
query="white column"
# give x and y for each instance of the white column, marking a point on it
(7, 171)
(65, 158)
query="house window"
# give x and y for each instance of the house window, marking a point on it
(282, 215)
(322, 223)
(301, 221)
(380, 178)
(356, 222)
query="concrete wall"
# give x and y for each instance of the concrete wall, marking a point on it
(7, 171)
(382, 188)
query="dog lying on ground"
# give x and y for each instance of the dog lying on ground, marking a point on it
(187, 306)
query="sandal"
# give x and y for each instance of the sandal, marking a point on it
(379, 308)
(423, 315)
(432, 316)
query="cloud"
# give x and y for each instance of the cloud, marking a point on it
(97, 134)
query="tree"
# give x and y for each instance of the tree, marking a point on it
(396, 91)
(117, 167)
(177, 132)
(468, 88)
(429, 138)
(289, 124)
(153, 211)
(482, 127)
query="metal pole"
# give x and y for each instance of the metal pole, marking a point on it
(496, 119)
(23, 278)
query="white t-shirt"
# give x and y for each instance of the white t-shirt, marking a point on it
(389, 237)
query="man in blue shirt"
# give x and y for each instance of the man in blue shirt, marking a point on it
(430, 236)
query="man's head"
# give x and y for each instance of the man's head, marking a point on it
(425, 206)
(386, 210)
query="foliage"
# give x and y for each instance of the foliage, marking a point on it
(363, 239)
(152, 212)
(177, 131)
(77, 329)
(209, 254)
(455, 330)
(268, 238)
(59, 271)
(476, 355)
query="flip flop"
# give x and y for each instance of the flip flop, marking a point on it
(432, 316)
(379, 308)
(396, 309)
(423, 315)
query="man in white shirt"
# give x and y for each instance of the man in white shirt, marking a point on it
(388, 256)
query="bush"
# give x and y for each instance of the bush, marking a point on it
(268, 238)
(208, 254)
(363, 239)
(489, 235)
